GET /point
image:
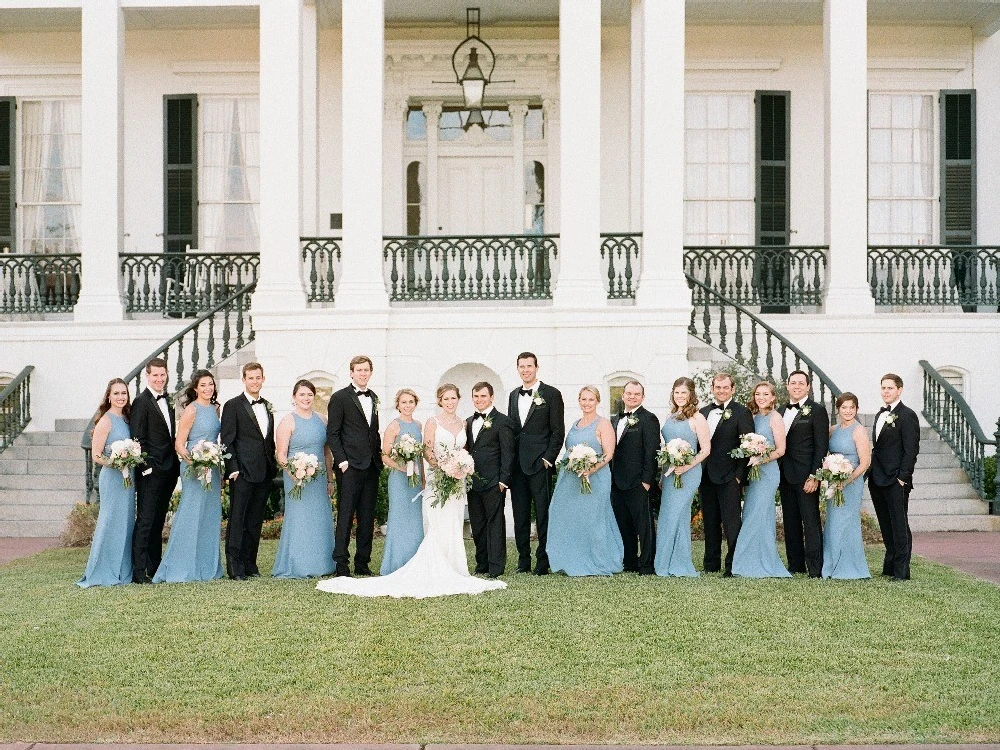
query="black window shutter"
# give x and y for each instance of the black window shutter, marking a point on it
(772, 204)
(180, 172)
(958, 167)
(7, 175)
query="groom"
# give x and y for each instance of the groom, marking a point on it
(489, 436)
(352, 434)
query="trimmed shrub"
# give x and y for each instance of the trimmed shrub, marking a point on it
(80, 525)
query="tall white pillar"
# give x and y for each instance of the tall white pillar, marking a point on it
(280, 287)
(310, 120)
(635, 116)
(361, 285)
(102, 166)
(845, 53)
(394, 166)
(518, 111)
(432, 113)
(579, 283)
(661, 283)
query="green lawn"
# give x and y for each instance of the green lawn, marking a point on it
(555, 660)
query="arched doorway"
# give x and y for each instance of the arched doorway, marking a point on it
(465, 376)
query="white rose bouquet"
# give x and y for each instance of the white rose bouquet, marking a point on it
(832, 476)
(452, 476)
(205, 456)
(409, 451)
(581, 458)
(756, 448)
(303, 468)
(677, 452)
(125, 456)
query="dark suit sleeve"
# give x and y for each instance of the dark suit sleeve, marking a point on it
(650, 444)
(512, 409)
(507, 455)
(821, 437)
(139, 426)
(335, 429)
(227, 435)
(745, 426)
(910, 434)
(557, 427)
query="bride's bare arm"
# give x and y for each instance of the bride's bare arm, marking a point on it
(429, 429)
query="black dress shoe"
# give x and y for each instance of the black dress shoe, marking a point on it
(541, 571)
(521, 569)
(142, 579)
(363, 572)
(341, 573)
(727, 574)
(253, 574)
(645, 572)
(239, 578)
(630, 570)
(493, 575)
(481, 571)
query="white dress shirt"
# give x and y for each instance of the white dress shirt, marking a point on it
(715, 416)
(164, 407)
(524, 401)
(623, 425)
(367, 404)
(260, 412)
(790, 414)
(880, 420)
(477, 425)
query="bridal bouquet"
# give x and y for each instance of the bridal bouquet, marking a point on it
(205, 456)
(756, 448)
(125, 456)
(581, 458)
(832, 476)
(303, 468)
(408, 451)
(452, 476)
(677, 452)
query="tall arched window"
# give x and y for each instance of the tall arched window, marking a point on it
(534, 198)
(416, 199)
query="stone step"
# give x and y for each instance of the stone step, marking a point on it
(50, 438)
(954, 523)
(63, 497)
(951, 506)
(42, 468)
(963, 490)
(923, 475)
(20, 452)
(937, 461)
(934, 446)
(72, 425)
(75, 481)
(31, 528)
(34, 512)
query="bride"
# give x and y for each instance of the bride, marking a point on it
(440, 566)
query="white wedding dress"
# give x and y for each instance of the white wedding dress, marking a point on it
(440, 566)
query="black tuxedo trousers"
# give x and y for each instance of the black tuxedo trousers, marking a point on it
(357, 492)
(801, 519)
(722, 513)
(489, 529)
(248, 501)
(892, 505)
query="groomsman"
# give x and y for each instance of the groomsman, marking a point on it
(807, 440)
(895, 444)
(152, 424)
(248, 433)
(537, 412)
(724, 476)
(633, 471)
(490, 440)
(352, 434)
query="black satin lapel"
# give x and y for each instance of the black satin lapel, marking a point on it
(253, 417)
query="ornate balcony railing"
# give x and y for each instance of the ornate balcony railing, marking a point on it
(15, 407)
(620, 258)
(745, 338)
(37, 283)
(187, 283)
(932, 275)
(772, 277)
(948, 413)
(320, 264)
(454, 269)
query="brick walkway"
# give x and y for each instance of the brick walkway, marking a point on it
(975, 552)
(12, 548)
(40, 746)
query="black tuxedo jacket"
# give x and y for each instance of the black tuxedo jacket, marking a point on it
(150, 428)
(251, 453)
(634, 461)
(894, 454)
(350, 437)
(720, 467)
(492, 450)
(806, 443)
(544, 429)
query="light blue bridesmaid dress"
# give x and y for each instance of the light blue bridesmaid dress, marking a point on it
(110, 561)
(406, 520)
(673, 529)
(305, 549)
(193, 551)
(756, 554)
(843, 550)
(584, 539)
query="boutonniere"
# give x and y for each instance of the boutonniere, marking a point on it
(375, 403)
(805, 411)
(891, 419)
(538, 400)
(269, 407)
(487, 422)
(631, 420)
(727, 414)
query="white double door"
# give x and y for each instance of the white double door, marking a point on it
(475, 196)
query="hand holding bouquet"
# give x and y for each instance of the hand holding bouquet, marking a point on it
(409, 451)
(125, 456)
(756, 448)
(581, 459)
(303, 468)
(205, 456)
(832, 476)
(452, 475)
(677, 452)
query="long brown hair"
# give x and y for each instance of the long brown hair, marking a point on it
(191, 392)
(105, 406)
(691, 407)
(752, 403)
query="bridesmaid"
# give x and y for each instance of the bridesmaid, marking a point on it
(673, 533)
(305, 549)
(193, 552)
(584, 539)
(110, 561)
(843, 550)
(756, 553)
(405, 522)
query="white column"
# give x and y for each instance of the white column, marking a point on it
(661, 284)
(845, 53)
(518, 111)
(635, 116)
(280, 287)
(432, 112)
(394, 167)
(102, 166)
(361, 284)
(310, 120)
(579, 283)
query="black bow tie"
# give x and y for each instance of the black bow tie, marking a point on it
(524, 392)
(162, 395)
(720, 407)
(625, 414)
(885, 408)
(366, 394)
(478, 415)
(255, 401)
(792, 406)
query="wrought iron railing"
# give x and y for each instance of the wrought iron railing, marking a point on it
(36, 283)
(772, 277)
(730, 328)
(15, 407)
(947, 412)
(931, 275)
(186, 283)
(453, 269)
(320, 265)
(620, 259)
(216, 334)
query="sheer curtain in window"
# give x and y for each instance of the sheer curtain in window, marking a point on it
(229, 175)
(901, 169)
(50, 176)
